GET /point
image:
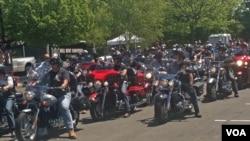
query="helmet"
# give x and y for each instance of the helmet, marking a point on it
(2, 69)
(189, 48)
(85, 52)
(55, 61)
(222, 47)
(153, 48)
(208, 46)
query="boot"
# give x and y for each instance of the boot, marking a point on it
(72, 134)
(236, 95)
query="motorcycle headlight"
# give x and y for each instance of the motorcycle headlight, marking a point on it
(239, 63)
(91, 84)
(29, 95)
(164, 82)
(213, 69)
(98, 84)
(171, 83)
(148, 75)
(106, 83)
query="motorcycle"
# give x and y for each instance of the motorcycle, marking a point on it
(242, 67)
(19, 105)
(217, 84)
(198, 79)
(170, 98)
(41, 98)
(106, 86)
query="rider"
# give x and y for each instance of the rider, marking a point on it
(207, 51)
(186, 78)
(228, 65)
(44, 66)
(59, 77)
(7, 98)
(119, 66)
(74, 68)
(178, 57)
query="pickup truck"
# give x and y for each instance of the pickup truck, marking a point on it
(22, 64)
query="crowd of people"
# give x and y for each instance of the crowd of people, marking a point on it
(181, 55)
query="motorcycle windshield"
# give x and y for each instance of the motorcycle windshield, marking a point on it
(154, 64)
(166, 76)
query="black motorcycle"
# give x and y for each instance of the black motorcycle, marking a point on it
(217, 84)
(170, 98)
(19, 105)
(41, 98)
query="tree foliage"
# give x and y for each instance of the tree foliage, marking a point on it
(41, 22)
(186, 17)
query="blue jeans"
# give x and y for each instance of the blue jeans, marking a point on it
(79, 90)
(193, 97)
(8, 104)
(63, 105)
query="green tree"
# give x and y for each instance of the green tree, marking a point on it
(242, 15)
(99, 30)
(144, 18)
(187, 17)
(47, 21)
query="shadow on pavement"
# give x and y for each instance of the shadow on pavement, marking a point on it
(108, 117)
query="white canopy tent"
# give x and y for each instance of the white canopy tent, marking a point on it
(123, 39)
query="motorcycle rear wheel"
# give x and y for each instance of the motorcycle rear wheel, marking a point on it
(161, 112)
(96, 112)
(24, 131)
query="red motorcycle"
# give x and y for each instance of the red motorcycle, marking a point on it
(106, 85)
(241, 69)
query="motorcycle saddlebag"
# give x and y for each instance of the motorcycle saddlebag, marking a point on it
(80, 103)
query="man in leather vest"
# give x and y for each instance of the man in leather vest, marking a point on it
(7, 98)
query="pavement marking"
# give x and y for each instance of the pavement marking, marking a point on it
(247, 103)
(220, 120)
(240, 120)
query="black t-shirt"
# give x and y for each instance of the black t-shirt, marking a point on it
(57, 78)
(207, 53)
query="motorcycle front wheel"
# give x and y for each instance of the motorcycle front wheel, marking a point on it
(161, 112)
(96, 111)
(24, 130)
(211, 91)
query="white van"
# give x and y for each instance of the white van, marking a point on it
(214, 38)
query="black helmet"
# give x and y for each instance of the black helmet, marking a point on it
(189, 47)
(222, 47)
(55, 61)
(2, 69)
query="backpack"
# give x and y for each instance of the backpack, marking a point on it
(132, 76)
(72, 82)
